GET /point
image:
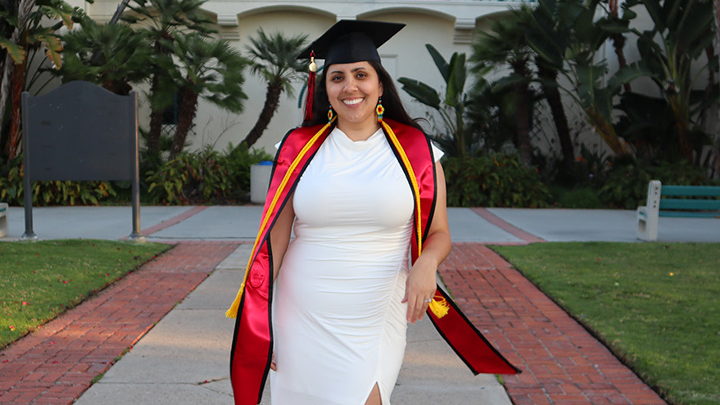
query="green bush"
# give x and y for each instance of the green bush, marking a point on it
(239, 160)
(493, 181)
(627, 181)
(204, 177)
(51, 192)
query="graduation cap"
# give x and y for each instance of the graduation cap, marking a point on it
(348, 41)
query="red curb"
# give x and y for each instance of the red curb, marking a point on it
(507, 227)
(174, 220)
(562, 363)
(58, 362)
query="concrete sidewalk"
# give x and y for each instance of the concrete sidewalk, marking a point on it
(478, 225)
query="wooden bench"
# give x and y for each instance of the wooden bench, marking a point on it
(3, 219)
(703, 204)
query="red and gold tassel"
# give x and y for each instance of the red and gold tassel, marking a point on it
(310, 88)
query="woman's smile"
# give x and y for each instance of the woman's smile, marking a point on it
(353, 101)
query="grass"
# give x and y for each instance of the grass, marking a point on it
(38, 281)
(656, 305)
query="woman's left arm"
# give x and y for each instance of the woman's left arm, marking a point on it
(422, 280)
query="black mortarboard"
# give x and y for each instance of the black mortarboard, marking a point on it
(350, 41)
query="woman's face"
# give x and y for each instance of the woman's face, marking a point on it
(353, 90)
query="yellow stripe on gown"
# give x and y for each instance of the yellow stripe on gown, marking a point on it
(338, 322)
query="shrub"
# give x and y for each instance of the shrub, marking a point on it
(627, 181)
(497, 180)
(204, 177)
(239, 160)
(585, 197)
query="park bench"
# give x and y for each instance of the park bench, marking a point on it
(700, 202)
(3, 219)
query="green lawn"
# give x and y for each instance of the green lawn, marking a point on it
(40, 280)
(656, 305)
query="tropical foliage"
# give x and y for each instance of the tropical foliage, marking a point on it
(453, 135)
(551, 53)
(25, 34)
(673, 54)
(113, 56)
(506, 46)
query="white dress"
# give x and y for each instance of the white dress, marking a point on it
(338, 323)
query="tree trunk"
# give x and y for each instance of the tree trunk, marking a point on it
(272, 100)
(554, 99)
(156, 116)
(4, 92)
(522, 114)
(186, 116)
(714, 161)
(18, 85)
(606, 130)
(117, 87)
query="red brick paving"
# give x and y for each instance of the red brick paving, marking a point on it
(562, 363)
(56, 364)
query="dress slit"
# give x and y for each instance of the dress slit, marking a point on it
(380, 394)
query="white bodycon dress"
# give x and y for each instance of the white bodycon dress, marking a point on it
(338, 323)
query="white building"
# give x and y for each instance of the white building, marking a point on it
(446, 24)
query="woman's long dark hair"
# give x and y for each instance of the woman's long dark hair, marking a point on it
(394, 108)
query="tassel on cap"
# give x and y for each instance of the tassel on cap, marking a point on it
(310, 88)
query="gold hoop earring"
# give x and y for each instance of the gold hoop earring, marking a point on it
(379, 109)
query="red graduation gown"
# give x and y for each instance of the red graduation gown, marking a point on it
(252, 341)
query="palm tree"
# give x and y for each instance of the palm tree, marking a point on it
(506, 45)
(110, 55)
(208, 69)
(551, 30)
(165, 20)
(275, 60)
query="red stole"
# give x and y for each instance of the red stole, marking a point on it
(252, 342)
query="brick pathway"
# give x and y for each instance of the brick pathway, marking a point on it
(58, 362)
(562, 363)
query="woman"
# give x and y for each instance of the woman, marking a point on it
(360, 186)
